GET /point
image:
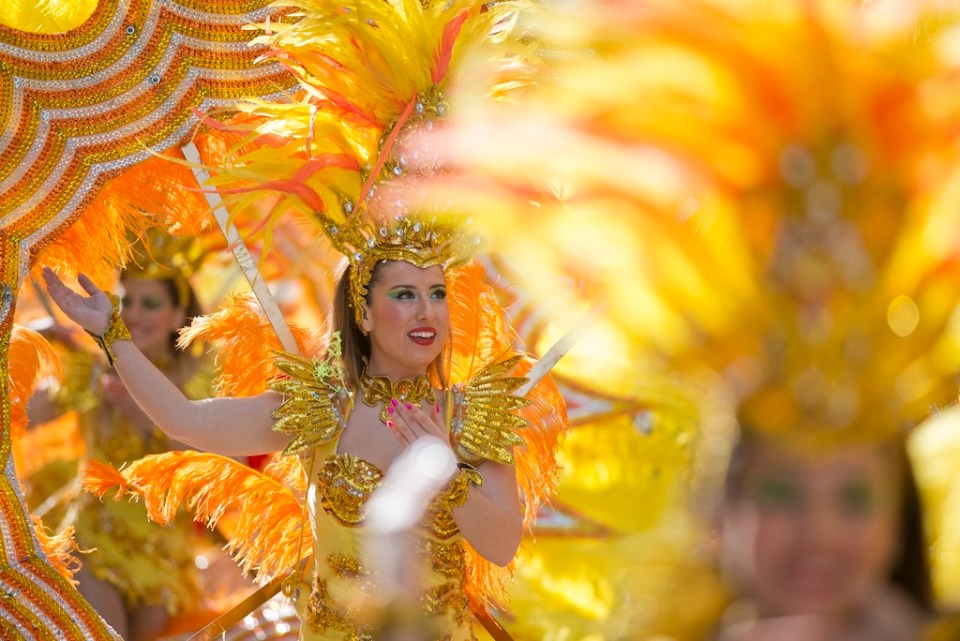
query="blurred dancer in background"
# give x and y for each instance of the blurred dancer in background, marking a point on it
(765, 196)
(135, 573)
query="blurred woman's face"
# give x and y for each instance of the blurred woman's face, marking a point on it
(407, 319)
(148, 310)
(812, 534)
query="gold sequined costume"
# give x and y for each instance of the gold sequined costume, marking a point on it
(315, 411)
(486, 418)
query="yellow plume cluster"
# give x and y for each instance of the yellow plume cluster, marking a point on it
(246, 343)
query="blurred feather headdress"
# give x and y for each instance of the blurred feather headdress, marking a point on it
(779, 182)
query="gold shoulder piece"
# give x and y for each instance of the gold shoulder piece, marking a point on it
(485, 423)
(315, 403)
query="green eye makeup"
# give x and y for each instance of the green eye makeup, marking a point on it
(400, 294)
(154, 304)
(778, 494)
(857, 500)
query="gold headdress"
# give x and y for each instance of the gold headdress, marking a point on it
(422, 241)
(157, 255)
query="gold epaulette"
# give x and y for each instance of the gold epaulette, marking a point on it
(316, 401)
(485, 422)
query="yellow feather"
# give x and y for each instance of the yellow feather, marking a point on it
(247, 344)
(269, 518)
(30, 359)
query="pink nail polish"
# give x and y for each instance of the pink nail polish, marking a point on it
(394, 402)
(390, 409)
(408, 406)
(390, 424)
(437, 408)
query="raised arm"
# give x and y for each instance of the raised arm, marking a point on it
(230, 426)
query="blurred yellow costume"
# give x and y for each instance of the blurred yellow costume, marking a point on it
(764, 195)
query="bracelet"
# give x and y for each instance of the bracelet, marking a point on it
(465, 455)
(454, 496)
(116, 331)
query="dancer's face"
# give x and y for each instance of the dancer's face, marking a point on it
(147, 308)
(812, 534)
(407, 318)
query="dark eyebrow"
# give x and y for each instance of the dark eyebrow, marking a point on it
(414, 286)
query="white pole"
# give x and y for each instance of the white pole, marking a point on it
(247, 264)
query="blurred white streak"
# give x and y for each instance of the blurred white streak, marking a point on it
(561, 347)
(398, 506)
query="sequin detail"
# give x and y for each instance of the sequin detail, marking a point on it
(380, 388)
(448, 560)
(316, 402)
(323, 614)
(33, 590)
(81, 107)
(455, 495)
(345, 484)
(485, 420)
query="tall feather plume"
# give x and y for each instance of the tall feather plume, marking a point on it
(269, 521)
(156, 193)
(480, 331)
(362, 68)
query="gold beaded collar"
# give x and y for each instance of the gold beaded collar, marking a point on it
(381, 388)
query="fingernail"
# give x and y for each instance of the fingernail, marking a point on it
(437, 408)
(394, 402)
(408, 406)
(390, 409)
(390, 424)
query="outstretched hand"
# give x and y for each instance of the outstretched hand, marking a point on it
(92, 312)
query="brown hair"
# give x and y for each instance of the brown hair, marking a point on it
(355, 345)
(911, 566)
(191, 306)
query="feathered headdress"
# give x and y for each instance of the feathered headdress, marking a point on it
(372, 74)
(764, 194)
